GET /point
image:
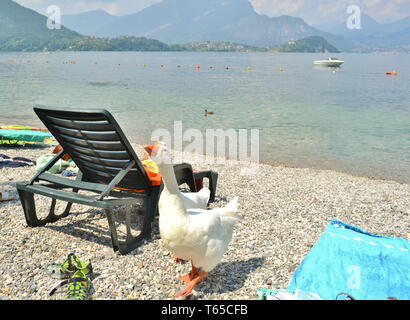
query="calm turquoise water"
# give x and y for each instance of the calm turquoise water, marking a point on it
(356, 120)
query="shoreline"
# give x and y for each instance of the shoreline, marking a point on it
(284, 165)
(285, 211)
(275, 163)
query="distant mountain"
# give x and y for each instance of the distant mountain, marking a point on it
(88, 23)
(312, 44)
(182, 21)
(376, 36)
(370, 27)
(24, 28)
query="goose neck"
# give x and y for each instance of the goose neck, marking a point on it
(168, 177)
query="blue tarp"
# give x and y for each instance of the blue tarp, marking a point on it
(23, 135)
(347, 259)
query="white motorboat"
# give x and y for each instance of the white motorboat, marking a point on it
(331, 62)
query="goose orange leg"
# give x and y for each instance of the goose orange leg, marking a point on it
(178, 259)
(187, 278)
(198, 278)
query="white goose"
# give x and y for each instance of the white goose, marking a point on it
(191, 200)
(199, 235)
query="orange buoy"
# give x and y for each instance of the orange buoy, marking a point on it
(388, 72)
(11, 60)
(162, 65)
(227, 68)
(211, 67)
(179, 66)
(394, 73)
(197, 66)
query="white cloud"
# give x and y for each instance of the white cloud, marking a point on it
(317, 11)
(118, 7)
(312, 11)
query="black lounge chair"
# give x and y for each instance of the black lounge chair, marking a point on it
(105, 159)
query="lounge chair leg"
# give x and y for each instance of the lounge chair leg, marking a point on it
(29, 208)
(213, 180)
(150, 211)
(30, 213)
(113, 229)
(130, 243)
(184, 174)
(52, 217)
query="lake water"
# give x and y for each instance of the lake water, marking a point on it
(356, 119)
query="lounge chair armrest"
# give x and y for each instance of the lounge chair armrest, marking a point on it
(47, 166)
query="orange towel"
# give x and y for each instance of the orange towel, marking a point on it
(151, 169)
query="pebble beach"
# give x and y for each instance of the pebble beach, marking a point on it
(285, 210)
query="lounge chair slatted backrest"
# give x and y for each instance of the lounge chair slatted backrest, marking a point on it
(108, 168)
(97, 146)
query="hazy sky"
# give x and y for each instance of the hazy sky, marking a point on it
(312, 11)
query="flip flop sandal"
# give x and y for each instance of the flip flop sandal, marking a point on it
(75, 273)
(66, 269)
(348, 296)
(79, 287)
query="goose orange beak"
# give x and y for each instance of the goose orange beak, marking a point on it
(149, 148)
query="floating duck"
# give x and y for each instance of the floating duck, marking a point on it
(199, 235)
(191, 200)
(208, 112)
